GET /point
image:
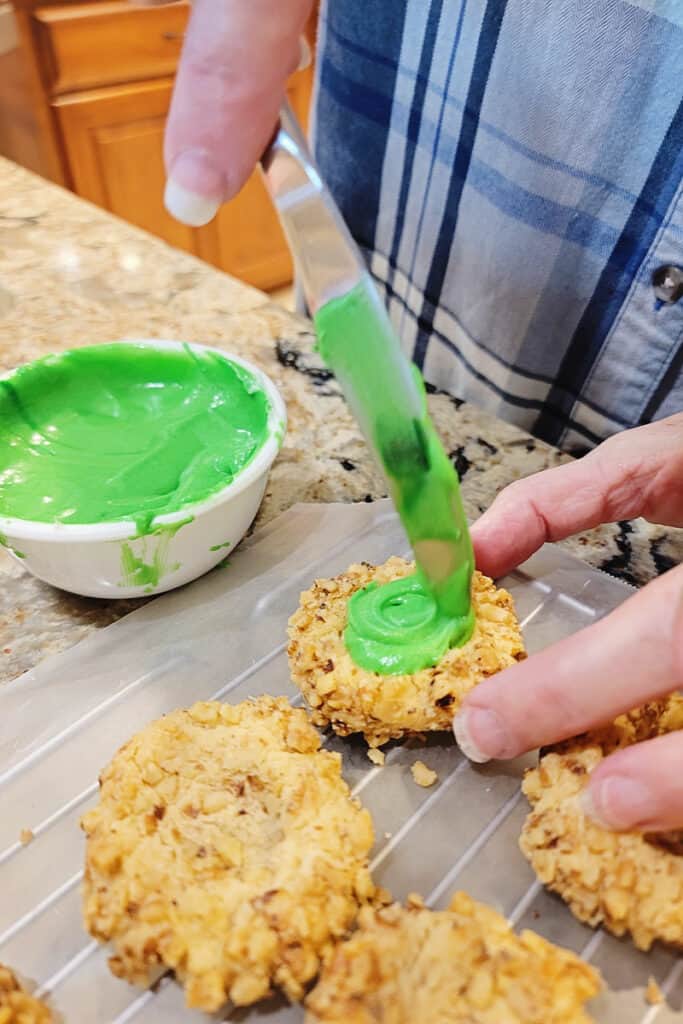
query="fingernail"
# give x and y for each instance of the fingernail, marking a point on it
(617, 802)
(480, 734)
(195, 188)
(305, 54)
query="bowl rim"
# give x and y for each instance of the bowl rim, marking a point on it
(125, 529)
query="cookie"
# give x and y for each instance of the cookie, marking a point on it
(225, 846)
(16, 1005)
(384, 707)
(463, 965)
(626, 881)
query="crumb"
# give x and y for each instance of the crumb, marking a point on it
(653, 993)
(376, 756)
(423, 775)
(382, 898)
(388, 835)
(26, 836)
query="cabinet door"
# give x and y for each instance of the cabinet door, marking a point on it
(86, 45)
(113, 141)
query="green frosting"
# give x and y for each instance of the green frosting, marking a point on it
(357, 341)
(6, 544)
(399, 628)
(125, 432)
(146, 569)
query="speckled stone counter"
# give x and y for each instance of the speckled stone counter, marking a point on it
(71, 275)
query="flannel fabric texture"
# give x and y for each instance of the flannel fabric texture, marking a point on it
(513, 172)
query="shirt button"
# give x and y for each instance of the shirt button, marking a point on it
(667, 282)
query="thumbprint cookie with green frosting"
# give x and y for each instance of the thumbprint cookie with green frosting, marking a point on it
(371, 651)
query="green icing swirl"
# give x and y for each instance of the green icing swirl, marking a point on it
(402, 626)
(398, 627)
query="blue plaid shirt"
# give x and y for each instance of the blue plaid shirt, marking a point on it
(513, 171)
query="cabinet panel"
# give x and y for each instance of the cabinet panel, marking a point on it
(246, 239)
(101, 43)
(27, 130)
(113, 139)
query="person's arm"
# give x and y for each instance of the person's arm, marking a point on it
(236, 59)
(631, 656)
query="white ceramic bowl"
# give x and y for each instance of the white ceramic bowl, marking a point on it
(109, 560)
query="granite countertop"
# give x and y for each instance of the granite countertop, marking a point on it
(71, 274)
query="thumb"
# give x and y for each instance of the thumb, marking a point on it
(230, 84)
(633, 655)
(640, 787)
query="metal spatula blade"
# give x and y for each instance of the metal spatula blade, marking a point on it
(358, 343)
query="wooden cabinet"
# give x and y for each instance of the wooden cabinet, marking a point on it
(113, 139)
(108, 129)
(101, 43)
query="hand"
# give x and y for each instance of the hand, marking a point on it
(629, 657)
(236, 59)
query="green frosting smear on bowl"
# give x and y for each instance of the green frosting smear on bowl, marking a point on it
(124, 432)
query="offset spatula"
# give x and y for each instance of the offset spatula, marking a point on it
(358, 343)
